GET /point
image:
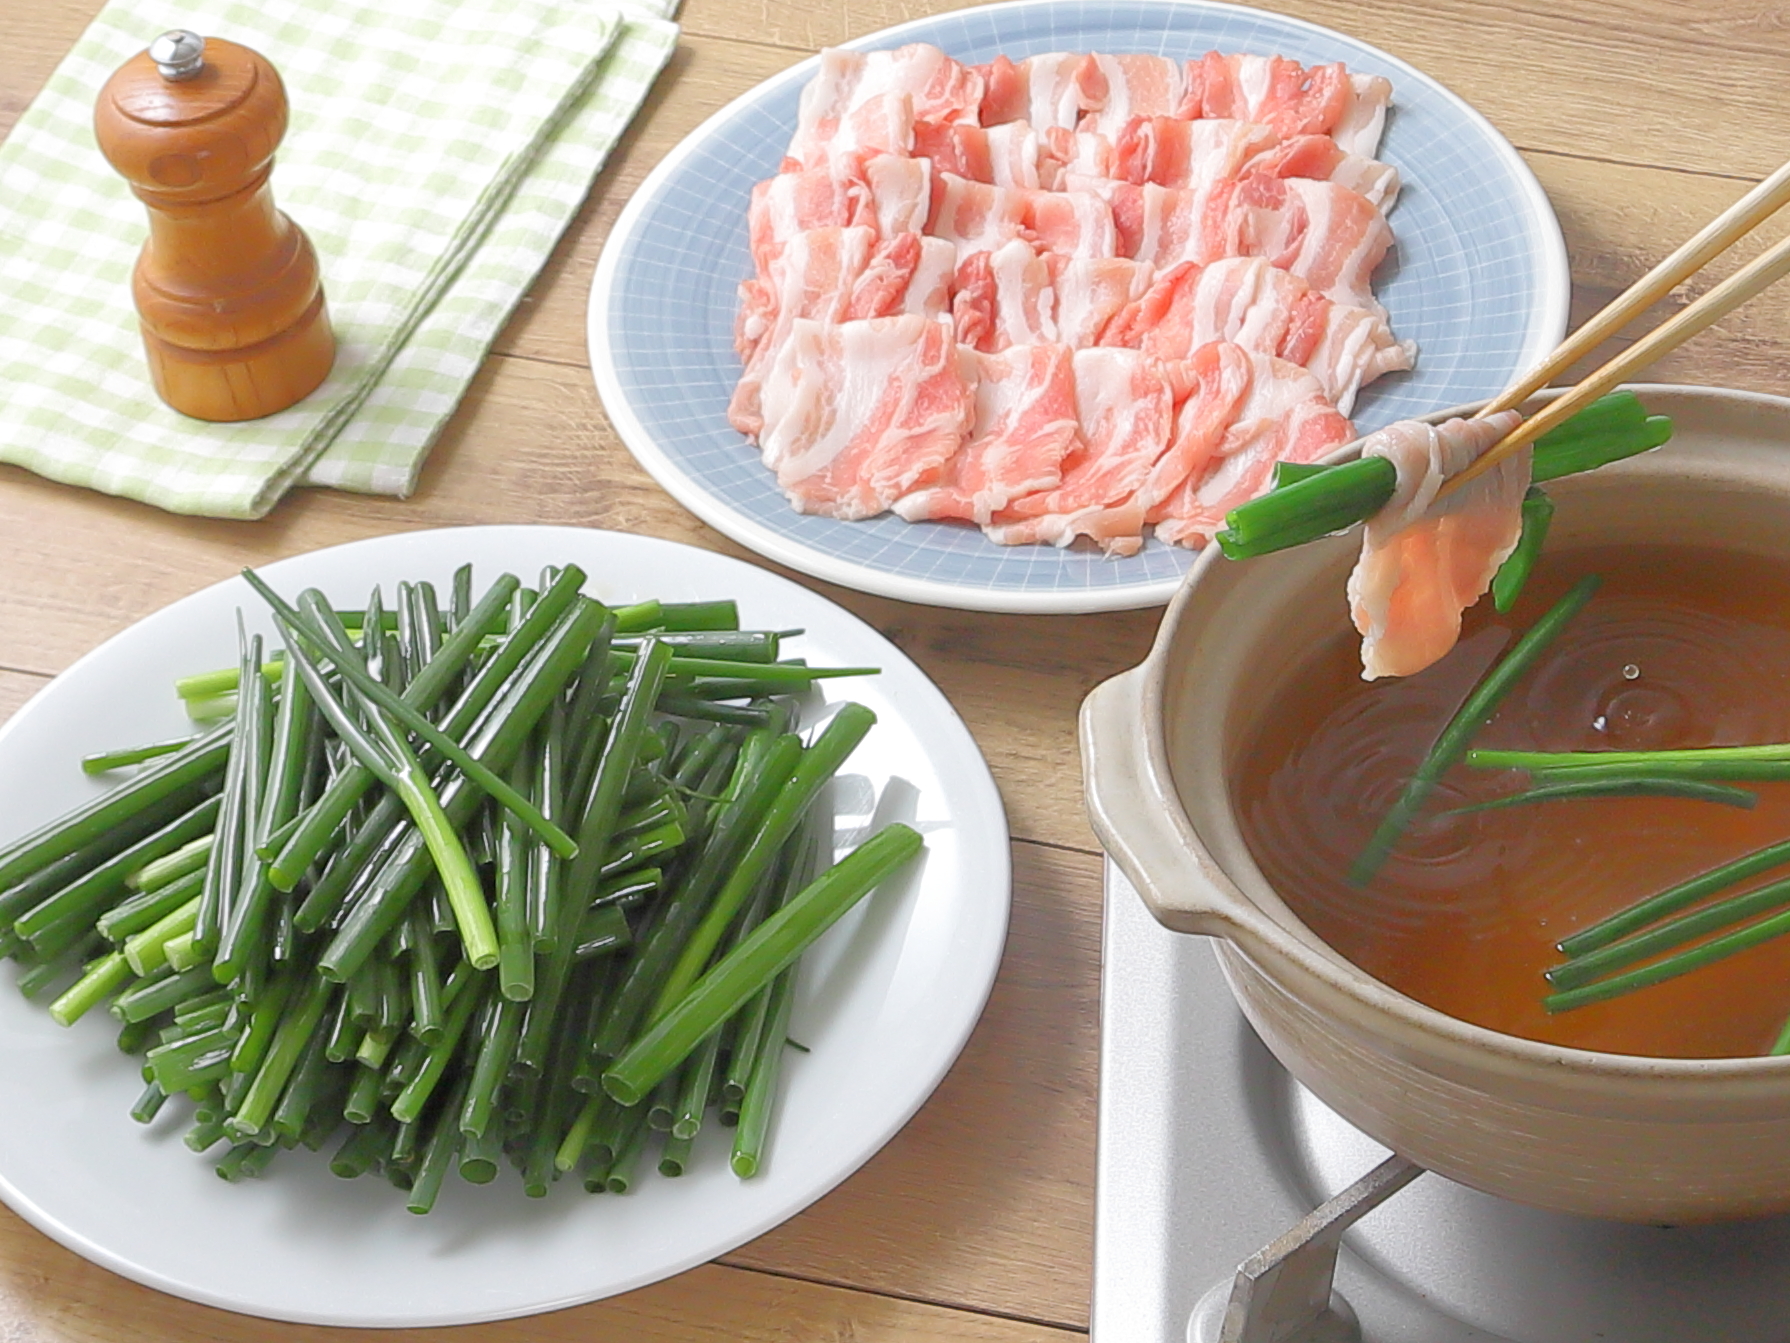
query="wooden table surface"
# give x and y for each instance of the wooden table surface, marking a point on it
(1641, 118)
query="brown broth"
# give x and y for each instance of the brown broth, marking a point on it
(1680, 647)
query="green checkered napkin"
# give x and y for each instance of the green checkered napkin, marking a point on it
(437, 149)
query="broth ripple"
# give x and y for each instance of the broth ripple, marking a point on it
(1681, 647)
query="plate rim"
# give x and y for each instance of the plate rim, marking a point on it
(990, 855)
(1547, 326)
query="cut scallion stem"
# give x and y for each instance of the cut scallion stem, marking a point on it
(1335, 498)
(1640, 786)
(1768, 761)
(1695, 958)
(1451, 745)
(102, 762)
(1673, 899)
(1685, 928)
(1513, 574)
(773, 945)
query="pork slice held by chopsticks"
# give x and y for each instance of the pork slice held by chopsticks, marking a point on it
(1425, 560)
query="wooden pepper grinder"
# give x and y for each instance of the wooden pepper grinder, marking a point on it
(227, 286)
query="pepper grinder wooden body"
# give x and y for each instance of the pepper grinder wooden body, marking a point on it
(227, 287)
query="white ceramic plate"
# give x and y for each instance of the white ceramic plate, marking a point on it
(885, 1003)
(1478, 278)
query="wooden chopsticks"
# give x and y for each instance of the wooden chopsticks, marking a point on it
(1717, 236)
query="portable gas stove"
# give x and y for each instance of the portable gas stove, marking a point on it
(1213, 1159)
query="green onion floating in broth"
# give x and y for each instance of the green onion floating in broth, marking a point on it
(1452, 744)
(1637, 786)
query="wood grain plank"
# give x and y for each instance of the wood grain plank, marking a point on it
(48, 1295)
(15, 689)
(38, 35)
(1619, 221)
(986, 1197)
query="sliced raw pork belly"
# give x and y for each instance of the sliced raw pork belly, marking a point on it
(1124, 87)
(1092, 291)
(1003, 298)
(1327, 235)
(792, 203)
(937, 89)
(1025, 425)
(881, 191)
(1323, 160)
(1362, 123)
(1285, 416)
(1074, 296)
(832, 275)
(883, 124)
(976, 216)
(1424, 562)
(1126, 410)
(1002, 156)
(1050, 90)
(1289, 98)
(1070, 224)
(860, 413)
(1271, 311)
(1172, 152)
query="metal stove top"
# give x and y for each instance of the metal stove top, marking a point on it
(1208, 1150)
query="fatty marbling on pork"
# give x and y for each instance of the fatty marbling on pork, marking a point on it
(1072, 296)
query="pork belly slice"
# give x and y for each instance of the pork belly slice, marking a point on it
(792, 203)
(1284, 416)
(1289, 98)
(1329, 236)
(1003, 298)
(1121, 88)
(1054, 89)
(936, 87)
(1070, 224)
(885, 192)
(1091, 291)
(861, 413)
(1002, 156)
(1252, 303)
(883, 124)
(1126, 411)
(1346, 348)
(979, 217)
(1067, 157)
(810, 277)
(1325, 234)
(1172, 152)
(1320, 158)
(1025, 423)
(975, 216)
(1363, 121)
(1424, 561)
(832, 275)
(905, 273)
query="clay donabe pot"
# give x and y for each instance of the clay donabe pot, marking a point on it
(1606, 1135)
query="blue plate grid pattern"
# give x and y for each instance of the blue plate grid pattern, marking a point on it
(1477, 278)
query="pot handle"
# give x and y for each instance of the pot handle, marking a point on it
(1133, 809)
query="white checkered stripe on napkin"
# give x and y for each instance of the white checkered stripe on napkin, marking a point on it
(436, 151)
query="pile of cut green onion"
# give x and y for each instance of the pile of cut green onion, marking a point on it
(450, 884)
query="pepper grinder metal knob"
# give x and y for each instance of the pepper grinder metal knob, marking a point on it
(227, 288)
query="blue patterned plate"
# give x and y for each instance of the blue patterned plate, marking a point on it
(1478, 278)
